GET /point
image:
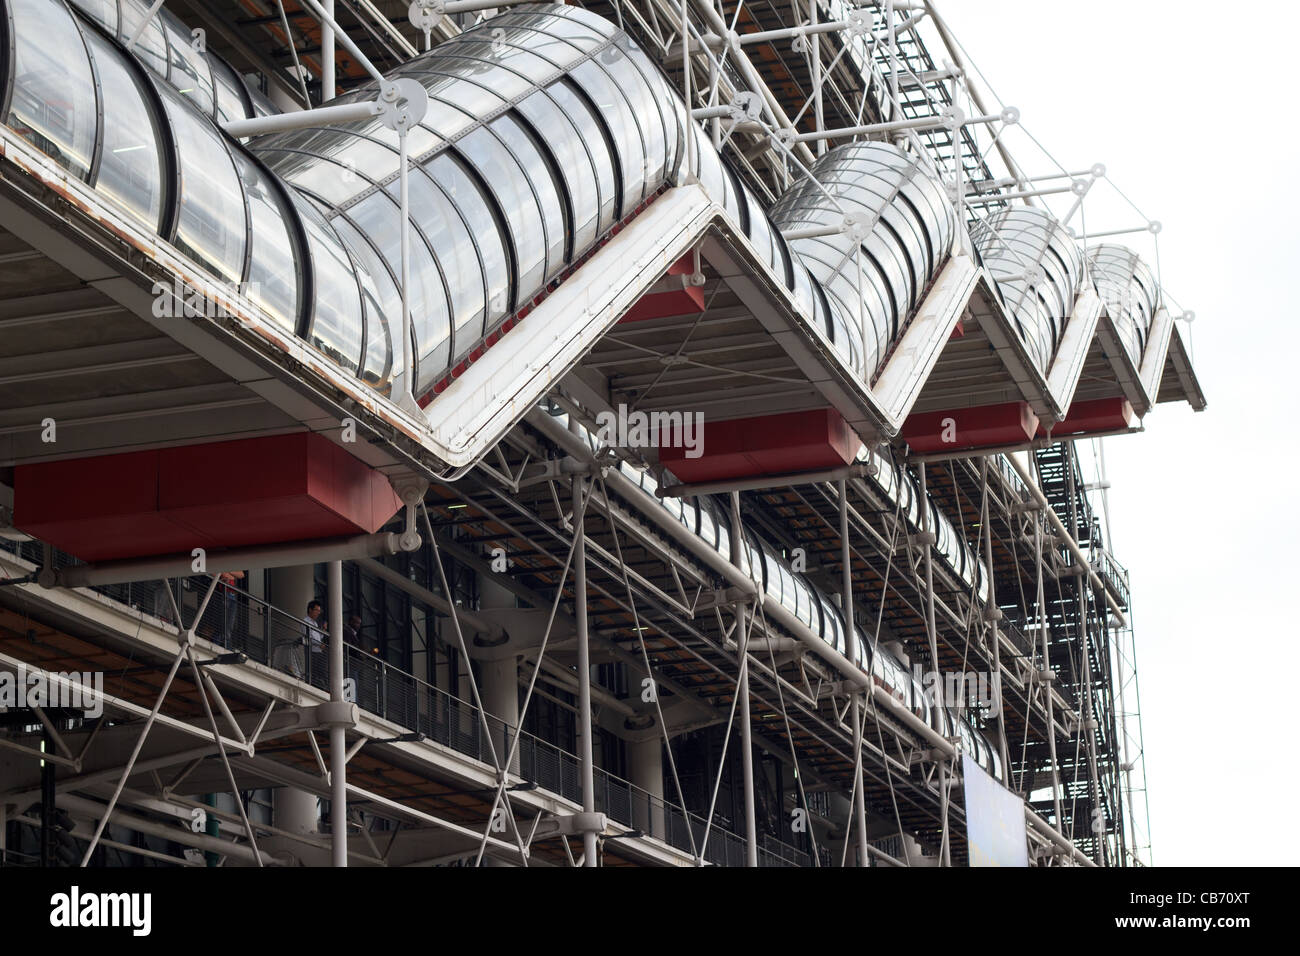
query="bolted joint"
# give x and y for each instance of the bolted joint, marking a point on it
(336, 713)
(993, 615)
(1046, 675)
(402, 103)
(857, 226)
(924, 538)
(745, 106)
(574, 824)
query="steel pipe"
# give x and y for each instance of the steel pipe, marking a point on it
(1067, 538)
(303, 119)
(234, 559)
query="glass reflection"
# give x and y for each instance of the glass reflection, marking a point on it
(130, 167)
(52, 103)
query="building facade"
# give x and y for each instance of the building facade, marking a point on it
(639, 434)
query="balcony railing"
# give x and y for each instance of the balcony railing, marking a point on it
(239, 621)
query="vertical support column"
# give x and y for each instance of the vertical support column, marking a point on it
(928, 540)
(994, 615)
(338, 749)
(645, 770)
(742, 694)
(1046, 676)
(327, 80)
(584, 667)
(291, 589)
(855, 700)
(47, 803)
(501, 700)
(819, 112)
(1088, 715)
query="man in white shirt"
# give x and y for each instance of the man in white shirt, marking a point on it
(314, 638)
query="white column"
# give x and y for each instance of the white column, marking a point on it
(295, 811)
(645, 768)
(338, 753)
(291, 590)
(584, 671)
(501, 700)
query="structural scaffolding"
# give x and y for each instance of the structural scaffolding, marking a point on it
(544, 643)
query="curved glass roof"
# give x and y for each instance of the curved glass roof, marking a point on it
(874, 275)
(1128, 287)
(1037, 268)
(546, 127)
(180, 57)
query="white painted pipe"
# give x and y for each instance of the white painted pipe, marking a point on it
(1068, 539)
(234, 559)
(80, 806)
(302, 119)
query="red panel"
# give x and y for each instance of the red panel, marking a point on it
(96, 504)
(1094, 417)
(984, 426)
(219, 495)
(659, 304)
(768, 445)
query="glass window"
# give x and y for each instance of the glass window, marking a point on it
(212, 229)
(575, 163)
(515, 197)
(335, 165)
(53, 99)
(565, 23)
(474, 209)
(273, 263)
(593, 135)
(262, 105)
(443, 119)
(521, 59)
(612, 107)
(708, 527)
(130, 168)
(150, 47)
(453, 247)
(190, 73)
(724, 537)
(336, 321)
(663, 97)
(633, 85)
(103, 12)
(230, 91)
(504, 82)
(528, 154)
(377, 354)
(379, 217)
(383, 321)
(473, 98)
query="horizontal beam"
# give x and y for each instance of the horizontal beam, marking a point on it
(763, 481)
(302, 119)
(233, 559)
(1068, 539)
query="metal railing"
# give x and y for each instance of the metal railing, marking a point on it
(237, 620)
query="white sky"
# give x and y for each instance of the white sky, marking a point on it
(1190, 108)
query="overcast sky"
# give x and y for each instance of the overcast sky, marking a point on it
(1189, 108)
